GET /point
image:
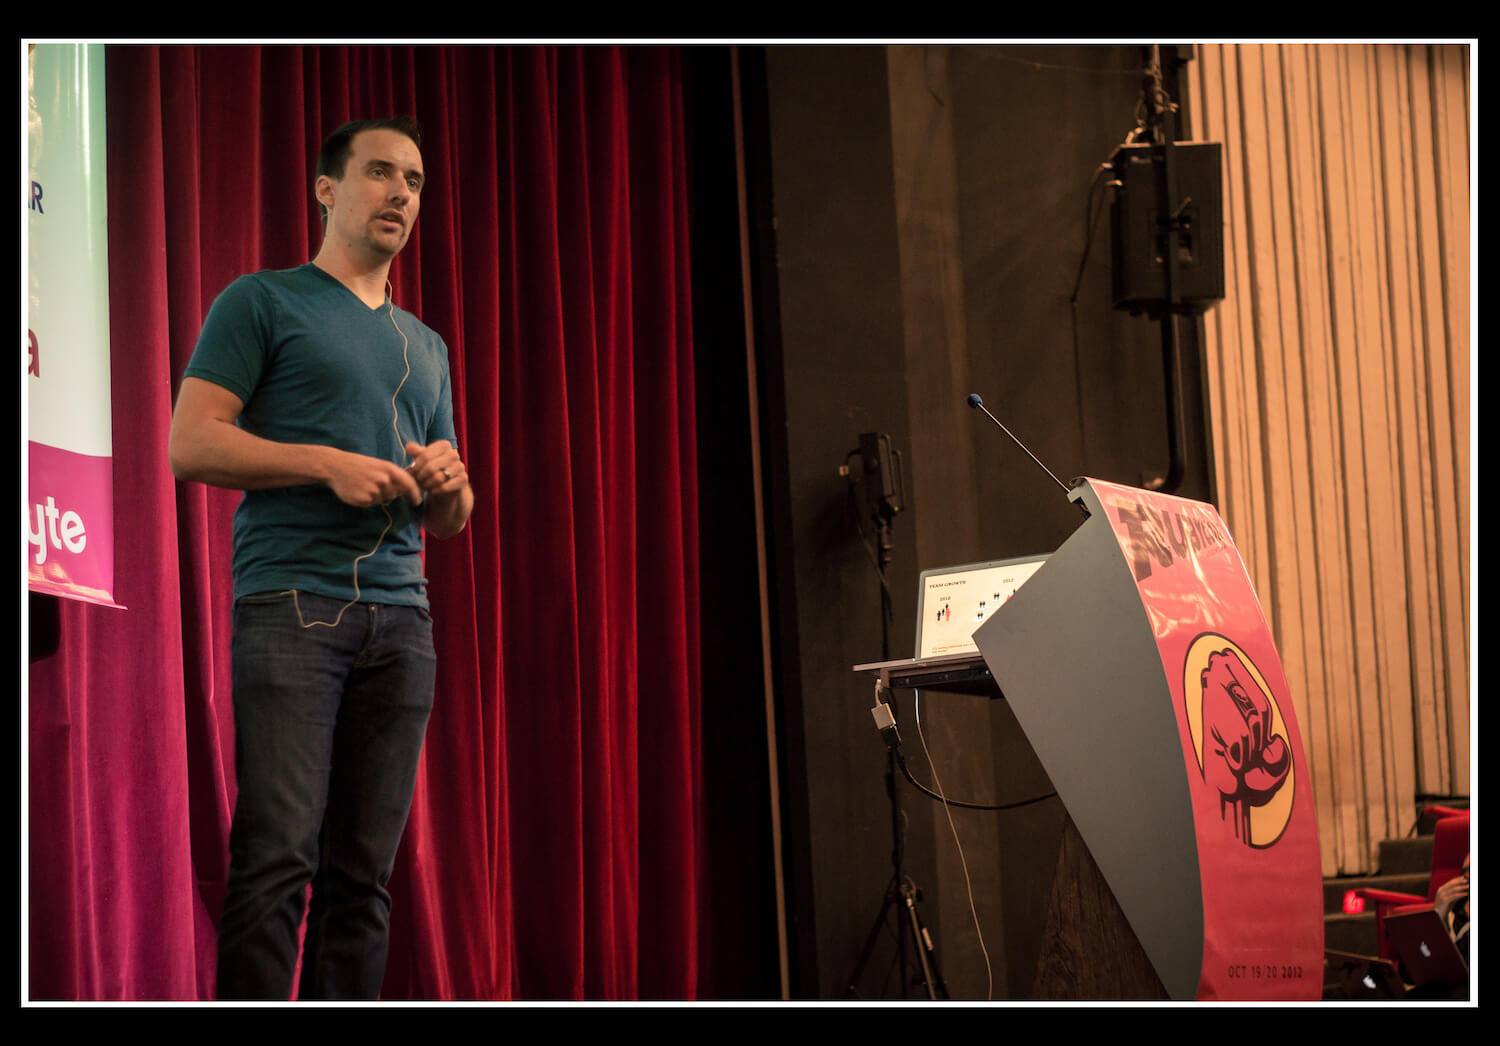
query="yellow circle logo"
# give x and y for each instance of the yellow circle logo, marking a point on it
(1240, 739)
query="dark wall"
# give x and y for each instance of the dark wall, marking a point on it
(1030, 127)
(916, 226)
(836, 370)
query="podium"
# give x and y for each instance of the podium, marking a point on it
(1139, 665)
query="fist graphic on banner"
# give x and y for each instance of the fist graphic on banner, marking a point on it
(1249, 763)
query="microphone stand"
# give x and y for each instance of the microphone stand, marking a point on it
(900, 891)
(978, 404)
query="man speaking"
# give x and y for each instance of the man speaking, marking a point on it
(330, 407)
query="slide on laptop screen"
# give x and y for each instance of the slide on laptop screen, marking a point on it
(953, 601)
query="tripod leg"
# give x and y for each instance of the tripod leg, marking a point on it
(922, 940)
(891, 896)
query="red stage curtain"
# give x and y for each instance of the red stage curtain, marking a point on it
(554, 848)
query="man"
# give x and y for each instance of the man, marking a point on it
(331, 409)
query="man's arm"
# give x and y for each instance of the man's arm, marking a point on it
(205, 445)
(440, 472)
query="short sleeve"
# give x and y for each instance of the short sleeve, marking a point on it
(234, 344)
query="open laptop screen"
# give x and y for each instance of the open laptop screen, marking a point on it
(953, 601)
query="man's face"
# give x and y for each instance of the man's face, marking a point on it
(373, 207)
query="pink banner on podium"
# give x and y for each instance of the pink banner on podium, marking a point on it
(1247, 772)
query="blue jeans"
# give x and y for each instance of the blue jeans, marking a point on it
(329, 723)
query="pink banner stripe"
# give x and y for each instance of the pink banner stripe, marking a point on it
(70, 549)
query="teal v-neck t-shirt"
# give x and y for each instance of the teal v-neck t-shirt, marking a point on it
(314, 364)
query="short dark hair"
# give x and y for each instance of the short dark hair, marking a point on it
(333, 157)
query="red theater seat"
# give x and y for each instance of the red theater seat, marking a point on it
(1450, 845)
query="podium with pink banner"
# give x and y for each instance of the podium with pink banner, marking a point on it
(1139, 664)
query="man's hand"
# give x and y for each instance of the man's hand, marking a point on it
(365, 482)
(438, 470)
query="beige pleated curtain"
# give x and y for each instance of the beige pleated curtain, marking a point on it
(1339, 367)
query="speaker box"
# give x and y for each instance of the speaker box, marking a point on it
(1139, 277)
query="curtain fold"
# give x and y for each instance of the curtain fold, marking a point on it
(554, 844)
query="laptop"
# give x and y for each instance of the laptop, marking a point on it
(954, 601)
(951, 603)
(1428, 955)
(1351, 976)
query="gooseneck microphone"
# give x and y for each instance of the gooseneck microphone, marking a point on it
(978, 404)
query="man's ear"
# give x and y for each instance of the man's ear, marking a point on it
(323, 190)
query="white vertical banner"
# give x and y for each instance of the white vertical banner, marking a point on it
(69, 507)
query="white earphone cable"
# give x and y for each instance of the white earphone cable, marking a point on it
(973, 911)
(389, 520)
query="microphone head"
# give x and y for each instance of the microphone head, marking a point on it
(974, 400)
